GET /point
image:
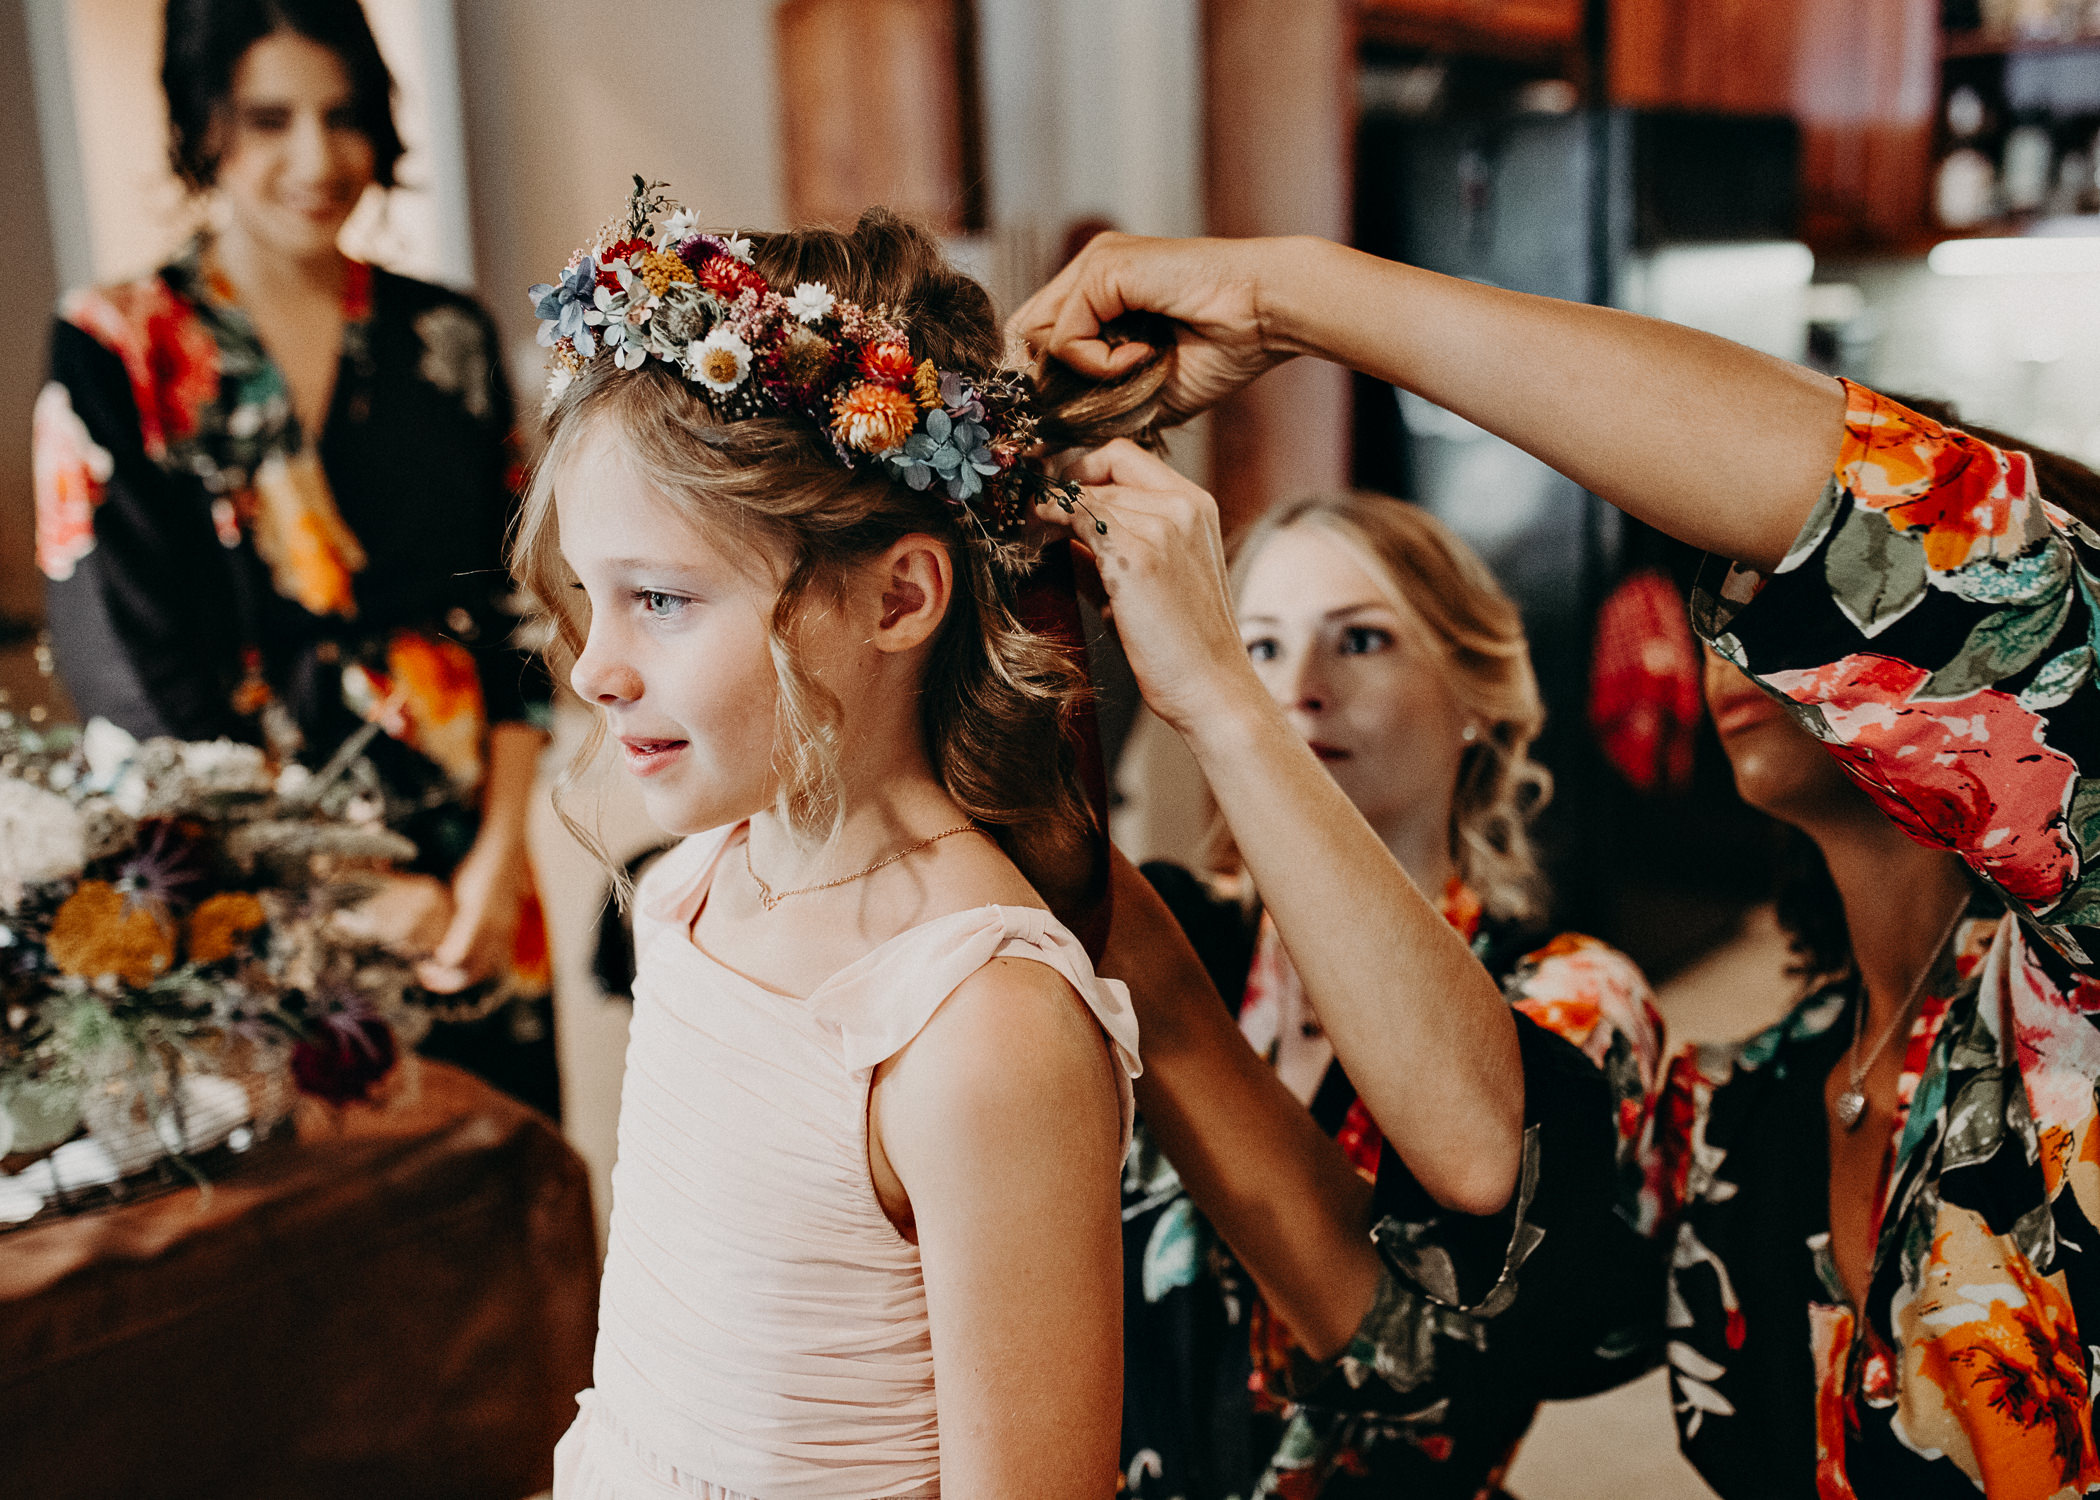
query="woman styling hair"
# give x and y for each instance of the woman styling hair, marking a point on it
(1393, 654)
(272, 486)
(1876, 1214)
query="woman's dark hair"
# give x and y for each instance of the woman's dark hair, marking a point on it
(205, 42)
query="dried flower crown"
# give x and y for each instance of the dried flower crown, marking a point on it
(654, 287)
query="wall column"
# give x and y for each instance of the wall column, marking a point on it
(1278, 114)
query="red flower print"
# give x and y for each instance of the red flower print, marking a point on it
(171, 357)
(70, 469)
(1970, 500)
(1971, 774)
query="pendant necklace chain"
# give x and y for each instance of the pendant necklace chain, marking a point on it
(1852, 1102)
(769, 900)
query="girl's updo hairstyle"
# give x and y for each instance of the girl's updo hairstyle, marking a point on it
(997, 700)
(1469, 624)
(205, 41)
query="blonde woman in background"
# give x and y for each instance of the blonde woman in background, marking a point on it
(1393, 654)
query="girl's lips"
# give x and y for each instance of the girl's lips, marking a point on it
(1328, 753)
(647, 757)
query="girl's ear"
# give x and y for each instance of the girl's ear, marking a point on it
(917, 578)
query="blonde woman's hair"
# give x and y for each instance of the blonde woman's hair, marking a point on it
(997, 700)
(1440, 585)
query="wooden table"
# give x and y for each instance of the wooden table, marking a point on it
(395, 1304)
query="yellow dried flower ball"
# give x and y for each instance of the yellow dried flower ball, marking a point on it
(660, 268)
(93, 936)
(220, 923)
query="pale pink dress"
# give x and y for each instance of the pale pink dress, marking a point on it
(762, 1326)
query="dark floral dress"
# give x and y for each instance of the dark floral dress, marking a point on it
(211, 572)
(1209, 1378)
(1935, 625)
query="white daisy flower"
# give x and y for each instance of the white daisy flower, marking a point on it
(738, 246)
(812, 300)
(720, 361)
(680, 227)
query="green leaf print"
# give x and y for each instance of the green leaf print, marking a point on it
(1876, 573)
(1174, 1252)
(2000, 645)
(2059, 678)
(2085, 813)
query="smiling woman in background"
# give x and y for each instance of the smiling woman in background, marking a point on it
(272, 487)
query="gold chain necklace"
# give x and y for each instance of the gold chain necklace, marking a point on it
(768, 900)
(1852, 1100)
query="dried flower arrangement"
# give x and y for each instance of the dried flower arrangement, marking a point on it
(177, 962)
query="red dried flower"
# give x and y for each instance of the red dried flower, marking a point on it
(888, 364)
(728, 278)
(344, 1058)
(617, 251)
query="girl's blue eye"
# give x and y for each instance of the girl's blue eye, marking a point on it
(657, 604)
(1262, 649)
(1362, 640)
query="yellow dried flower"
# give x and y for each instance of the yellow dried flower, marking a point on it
(219, 924)
(926, 385)
(93, 936)
(660, 268)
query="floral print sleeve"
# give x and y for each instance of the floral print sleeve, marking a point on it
(1934, 625)
(1479, 1319)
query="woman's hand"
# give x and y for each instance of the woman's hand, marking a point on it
(407, 915)
(1212, 288)
(1162, 564)
(490, 885)
(488, 894)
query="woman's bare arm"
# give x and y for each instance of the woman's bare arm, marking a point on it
(1419, 1024)
(1271, 1182)
(1658, 419)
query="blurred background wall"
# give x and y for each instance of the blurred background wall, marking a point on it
(1902, 191)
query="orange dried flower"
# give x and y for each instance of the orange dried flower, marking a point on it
(219, 924)
(888, 364)
(94, 936)
(875, 418)
(926, 385)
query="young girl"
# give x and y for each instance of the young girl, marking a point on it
(865, 1228)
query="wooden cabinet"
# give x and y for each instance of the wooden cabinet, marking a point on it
(1860, 76)
(1523, 29)
(873, 109)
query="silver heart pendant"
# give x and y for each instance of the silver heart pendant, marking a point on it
(1851, 1108)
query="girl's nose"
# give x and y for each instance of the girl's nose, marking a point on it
(600, 679)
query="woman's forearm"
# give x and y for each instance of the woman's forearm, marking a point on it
(1272, 1184)
(1716, 444)
(1420, 1026)
(506, 793)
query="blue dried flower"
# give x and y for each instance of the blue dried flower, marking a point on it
(960, 398)
(568, 307)
(956, 452)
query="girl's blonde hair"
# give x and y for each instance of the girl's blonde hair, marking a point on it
(998, 699)
(1440, 584)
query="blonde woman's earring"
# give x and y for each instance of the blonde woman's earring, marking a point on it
(1470, 733)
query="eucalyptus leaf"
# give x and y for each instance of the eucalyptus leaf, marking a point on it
(2058, 679)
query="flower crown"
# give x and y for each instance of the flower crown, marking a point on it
(654, 286)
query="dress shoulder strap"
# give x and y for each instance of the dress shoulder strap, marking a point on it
(881, 1002)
